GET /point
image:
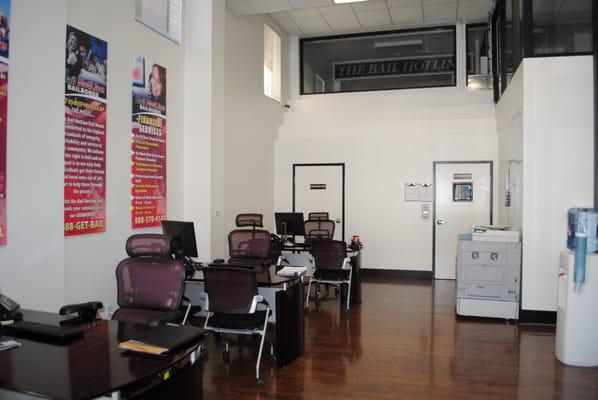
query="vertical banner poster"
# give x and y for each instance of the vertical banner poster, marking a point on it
(4, 30)
(148, 186)
(85, 134)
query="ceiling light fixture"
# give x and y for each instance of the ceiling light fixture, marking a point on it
(347, 1)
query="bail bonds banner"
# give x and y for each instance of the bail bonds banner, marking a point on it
(85, 134)
(4, 41)
(148, 184)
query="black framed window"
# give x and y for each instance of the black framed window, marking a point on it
(561, 27)
(478, 62)
(403, 59)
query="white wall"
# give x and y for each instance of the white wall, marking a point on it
(32, 262)
(251, 122)
(39, 267)
(90, 260)
(558, 137)
(386, 139)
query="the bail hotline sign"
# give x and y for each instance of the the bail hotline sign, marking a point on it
(85, 134)
(148, 175)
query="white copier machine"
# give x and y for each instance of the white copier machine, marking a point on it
(488, 273)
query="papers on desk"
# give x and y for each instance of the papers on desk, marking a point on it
(162, 339)
(134, 345)
(292, 271)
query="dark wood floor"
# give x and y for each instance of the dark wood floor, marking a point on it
(404, 342)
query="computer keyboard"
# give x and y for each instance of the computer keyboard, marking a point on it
(35, 330)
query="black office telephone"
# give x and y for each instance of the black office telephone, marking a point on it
(9, 309)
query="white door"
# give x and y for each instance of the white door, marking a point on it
(320, 188)
(463, 197)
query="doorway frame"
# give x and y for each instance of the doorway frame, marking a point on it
(342, 165)
(434, 163)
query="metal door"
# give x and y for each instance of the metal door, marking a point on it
(321, 187)
(462, 198)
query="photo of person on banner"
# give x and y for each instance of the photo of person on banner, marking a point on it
(156, 83)
(85, 56)
(4, 27)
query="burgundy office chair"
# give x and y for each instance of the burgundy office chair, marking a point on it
(317, 215)
(332, 266)
(232, 304)
(250, 219)
(249, 247)
(318, 229)
(150, 282)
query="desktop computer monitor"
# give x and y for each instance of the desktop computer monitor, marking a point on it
(183, 237)
(289, 224)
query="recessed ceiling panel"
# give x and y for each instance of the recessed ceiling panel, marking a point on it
(407, 15)
(340, 18)
(238, 7)
(440, 12)
(373, 18)
(473, 10)
(286, 23)
(268, 6)
(310, 3)
(403, 3)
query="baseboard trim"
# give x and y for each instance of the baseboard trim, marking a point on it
(537, 317)
(396, 273)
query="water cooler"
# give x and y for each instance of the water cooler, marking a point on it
(577, 319)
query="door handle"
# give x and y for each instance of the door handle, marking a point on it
(338, 220)
(440, 222)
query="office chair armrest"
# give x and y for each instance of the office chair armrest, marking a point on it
(347, 263)
(85, 311)
(165, 318)
(257, 299)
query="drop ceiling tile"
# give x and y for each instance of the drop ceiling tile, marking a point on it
(238, 7)
(407, 15)
(310, 3)
(469, 10)
(373, 18)
(311, 25)
(403, 3)
(434, 2)
(440, 12)
(286, 23)
(268, 6)
(369, 5)
(340, 17)
(304, 13)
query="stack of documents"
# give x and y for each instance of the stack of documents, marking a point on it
(292, 271)
(162, 339)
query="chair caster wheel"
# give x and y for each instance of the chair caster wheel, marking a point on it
(273, 357)
(260, 382)
(226, 356)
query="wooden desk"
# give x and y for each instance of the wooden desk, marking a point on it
(93, 366)
(285, 296)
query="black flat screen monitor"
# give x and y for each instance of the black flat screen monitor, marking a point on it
(183, 237)
(289, 224)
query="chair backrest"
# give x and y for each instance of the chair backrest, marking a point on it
(318, 229)
(149, 278)
(328, 254)
(253, 220)
(317, 215)
(244, 243)
(230, 290)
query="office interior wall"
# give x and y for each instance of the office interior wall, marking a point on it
(558, 166)
(509, 123)
(90, 260)
(32, 262)
(251, 122)
(386, 139)
(203, 41)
